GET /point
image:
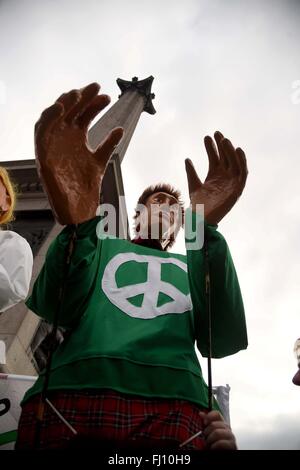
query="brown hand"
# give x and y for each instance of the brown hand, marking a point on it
(225, 180)
(70, 170)
(217, 432)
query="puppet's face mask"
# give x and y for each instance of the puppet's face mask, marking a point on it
(160, 218)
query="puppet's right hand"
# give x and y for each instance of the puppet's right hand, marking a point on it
(70, 170)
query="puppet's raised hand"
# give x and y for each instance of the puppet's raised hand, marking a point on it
(225, 180)
(70, 170)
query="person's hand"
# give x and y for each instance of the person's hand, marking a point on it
(225, 180)
(217, 432)
(70, 170)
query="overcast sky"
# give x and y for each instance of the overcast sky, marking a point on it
(229, 65)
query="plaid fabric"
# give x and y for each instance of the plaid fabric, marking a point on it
(110, 417)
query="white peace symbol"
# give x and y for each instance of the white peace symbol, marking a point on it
(151, 288)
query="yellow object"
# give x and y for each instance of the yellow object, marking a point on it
(7, 216)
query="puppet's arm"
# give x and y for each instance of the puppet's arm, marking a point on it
(72, 174)
(221, 189)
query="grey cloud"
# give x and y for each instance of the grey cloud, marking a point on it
(283, 433)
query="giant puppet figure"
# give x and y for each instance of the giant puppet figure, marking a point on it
(127, 374)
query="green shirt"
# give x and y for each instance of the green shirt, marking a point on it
(134, 314)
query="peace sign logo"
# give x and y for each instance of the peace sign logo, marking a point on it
(150, 289)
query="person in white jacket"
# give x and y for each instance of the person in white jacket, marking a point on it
(16, 258)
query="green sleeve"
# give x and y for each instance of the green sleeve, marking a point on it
(229, 332)
(80, 277)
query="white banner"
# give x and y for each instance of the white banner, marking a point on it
(12, 390)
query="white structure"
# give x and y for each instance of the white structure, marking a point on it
(221, 393)
(2, 352)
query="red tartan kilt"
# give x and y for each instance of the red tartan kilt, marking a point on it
(111, 417)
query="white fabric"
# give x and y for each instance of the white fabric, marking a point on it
(16, 262)
(150, 289)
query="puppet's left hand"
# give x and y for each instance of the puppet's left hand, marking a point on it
(225, 180)
(217, 432)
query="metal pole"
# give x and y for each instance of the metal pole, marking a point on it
(209, 341)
